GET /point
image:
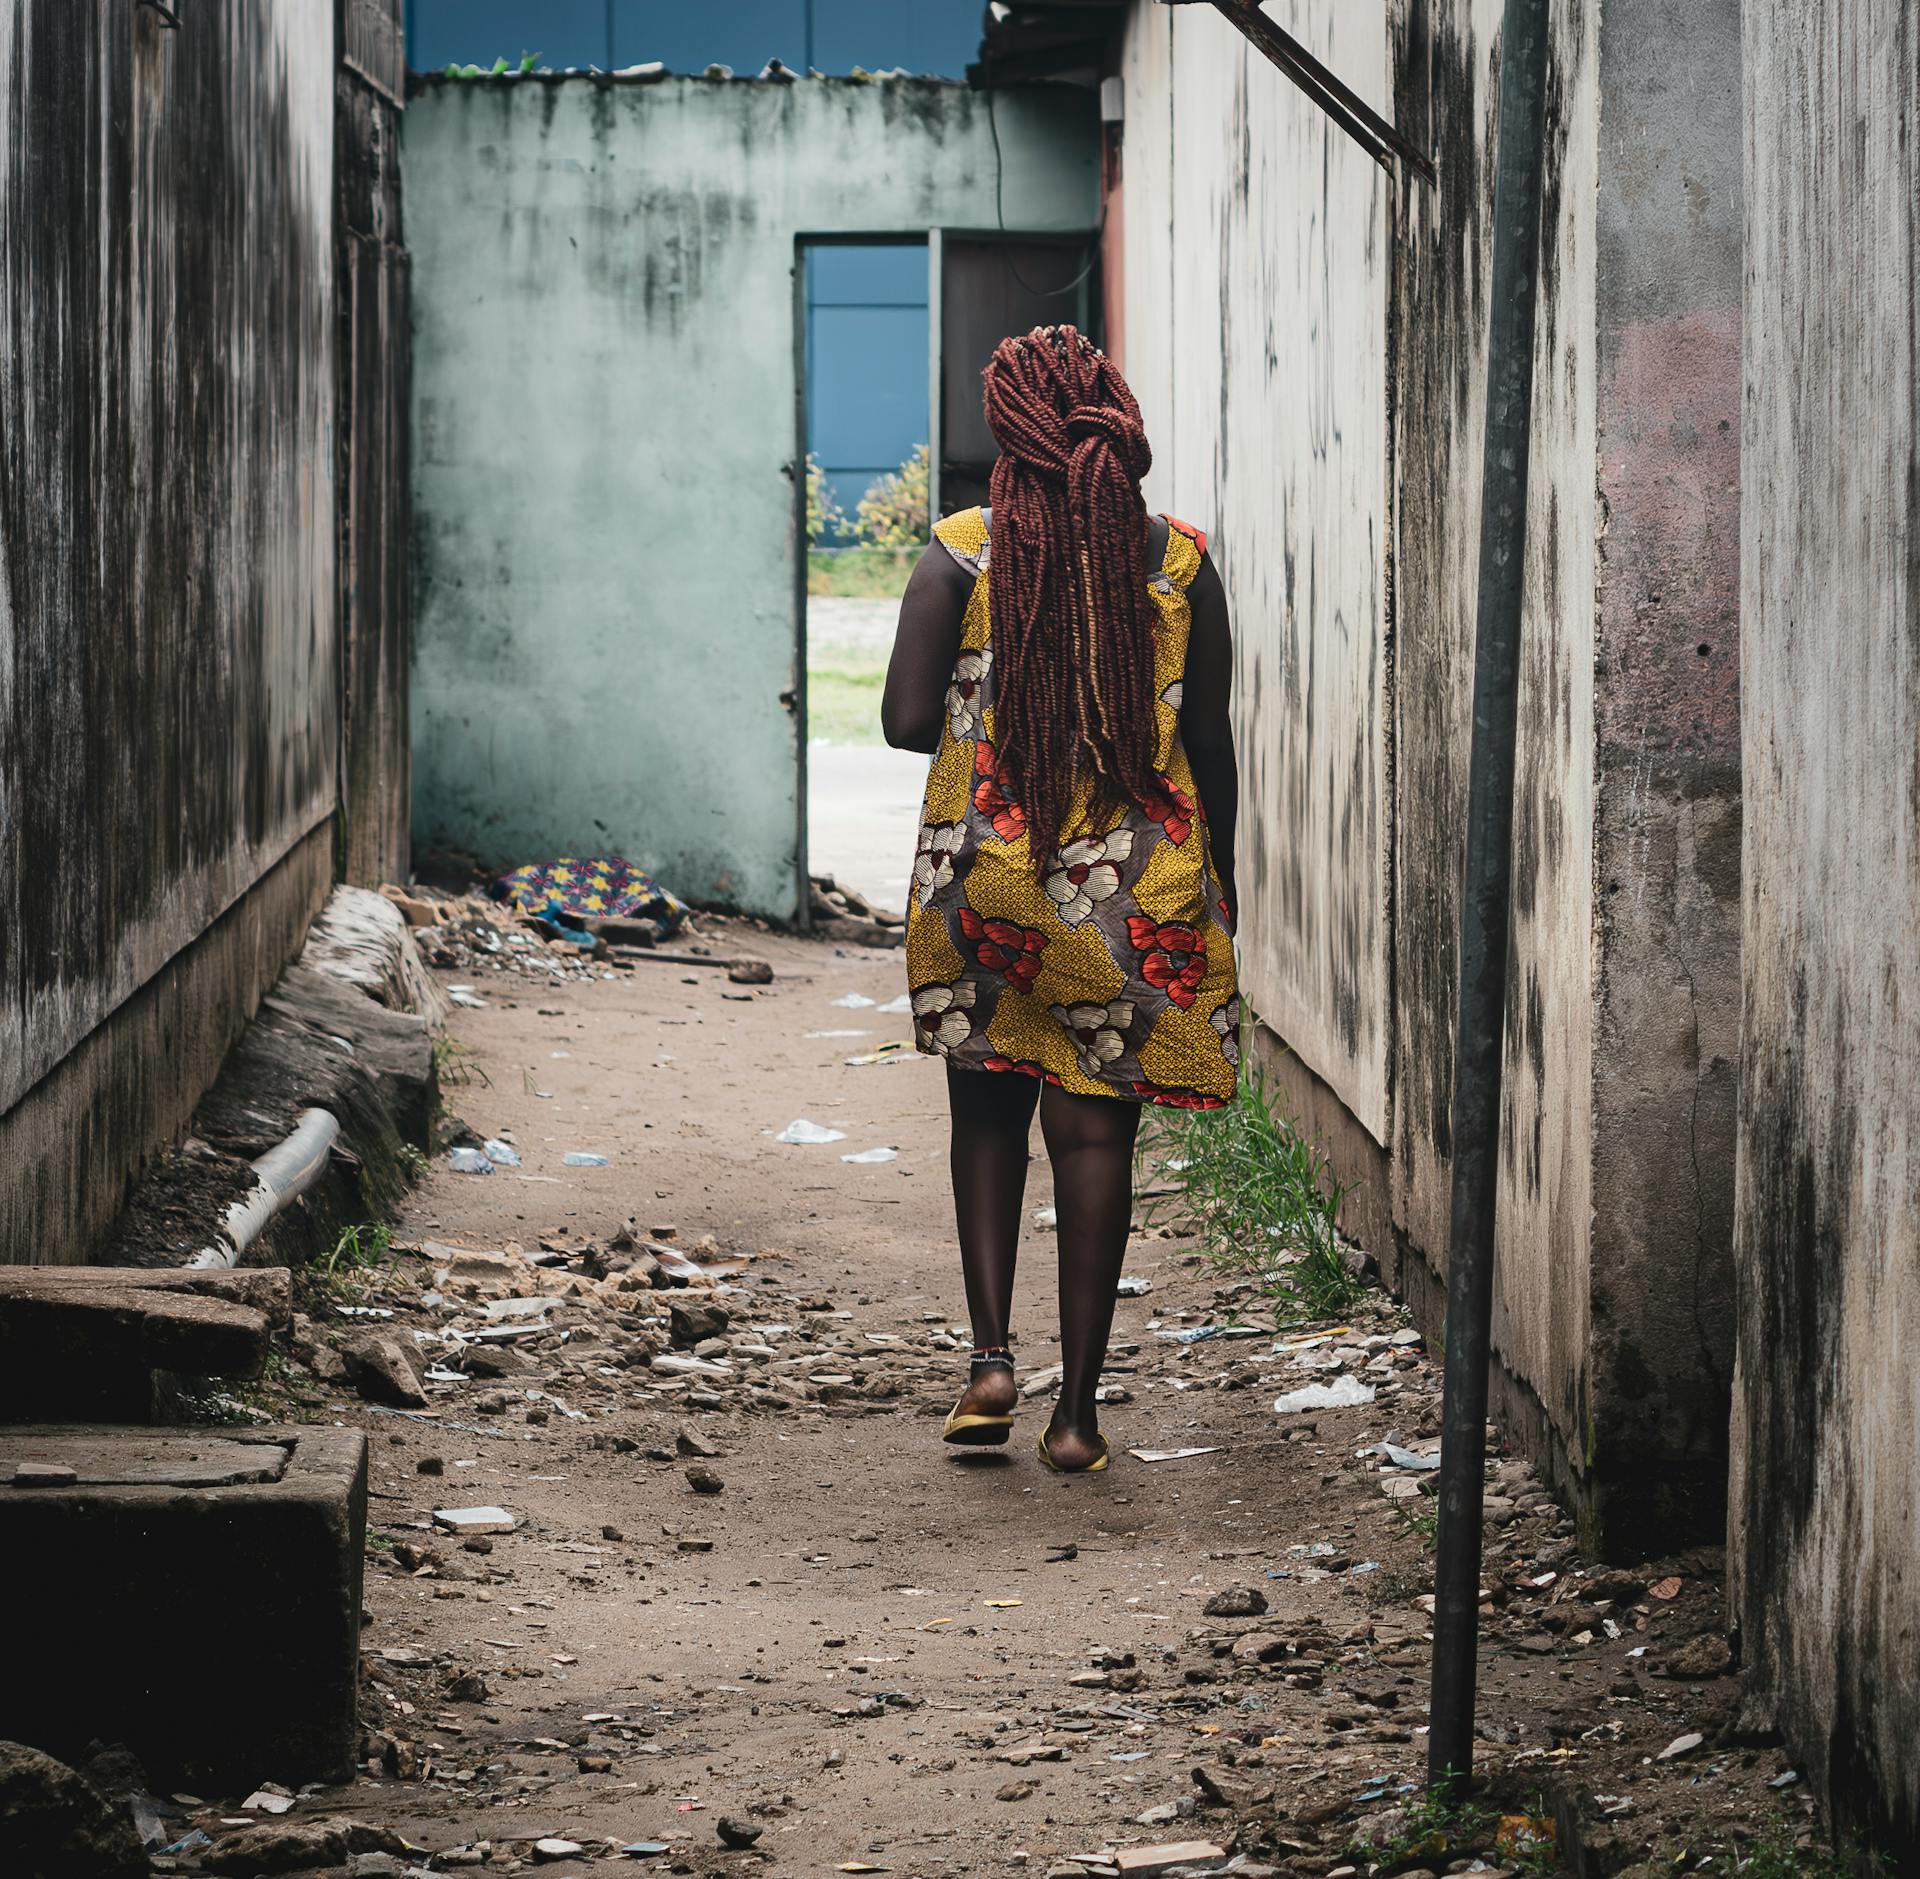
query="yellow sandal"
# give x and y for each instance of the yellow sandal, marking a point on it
(1093, 1467)
(980, 1431)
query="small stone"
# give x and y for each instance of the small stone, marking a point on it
(692, 1442)
(591, 1764)
(381, 1369)
(1236, 1601)
(42, 1474)
(703, 1480)
(750, 972)
(1681, 1745)
(1707, 1655)
(736, 1833)
(478, 1544)
(612, 1533)
(556, 1848)
(693, 1321)
(467, 1686)
(1015, 1791)
(430, 1464)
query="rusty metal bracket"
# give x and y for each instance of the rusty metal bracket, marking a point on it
(1379, 139)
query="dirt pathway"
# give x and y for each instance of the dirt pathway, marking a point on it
(871, 1653)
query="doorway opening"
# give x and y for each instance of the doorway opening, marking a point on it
(894, 335)
(867, 378)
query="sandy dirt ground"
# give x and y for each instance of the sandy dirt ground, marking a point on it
(875, 1653)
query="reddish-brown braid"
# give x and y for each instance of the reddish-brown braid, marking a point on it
(1072, 620)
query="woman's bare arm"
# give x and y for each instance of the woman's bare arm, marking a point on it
(1206, 719)
(925, 645)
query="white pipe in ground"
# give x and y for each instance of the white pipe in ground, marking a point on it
(285, 1171)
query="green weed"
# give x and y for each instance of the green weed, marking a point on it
(1772, 1854)
(360, 1256)
(1260, 1197)
(455, 1062)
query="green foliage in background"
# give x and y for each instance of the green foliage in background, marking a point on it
(1260, 1197)
(825, 517)
(893, 513)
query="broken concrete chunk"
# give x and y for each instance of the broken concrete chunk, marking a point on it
(382, 1369)
(1140, 1862)
(54, 1821)
(467, 1521)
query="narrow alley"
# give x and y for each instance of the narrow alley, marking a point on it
(745, 1594)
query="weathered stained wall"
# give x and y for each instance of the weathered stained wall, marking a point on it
(1827, 1421)
(371, 445)
(167, 626)
(1666, 846)
(1308, 341)
(1256, 292)
(607, 634)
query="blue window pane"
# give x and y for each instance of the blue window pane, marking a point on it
(476, 32)
(744, 34)
(867, 403)
(867, 276)
(939, 36)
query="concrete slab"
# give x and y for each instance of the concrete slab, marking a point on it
(88, 1347)
(194, 1594)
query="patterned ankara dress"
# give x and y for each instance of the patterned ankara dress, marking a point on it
(1108, 972)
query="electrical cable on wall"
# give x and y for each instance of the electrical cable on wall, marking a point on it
(1000, 216)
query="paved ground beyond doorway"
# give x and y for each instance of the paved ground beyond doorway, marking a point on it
(863, 800)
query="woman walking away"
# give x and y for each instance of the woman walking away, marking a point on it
(1069, 929)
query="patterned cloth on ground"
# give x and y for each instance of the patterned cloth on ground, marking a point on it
(599, 887)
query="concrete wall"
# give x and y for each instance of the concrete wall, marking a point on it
(1311, 337)
(604, 396)
(1827, 1442)
(371, 445)
(167, 608)
(1256, 289)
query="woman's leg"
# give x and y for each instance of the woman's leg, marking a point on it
(1090, 1141)
(992, 1120)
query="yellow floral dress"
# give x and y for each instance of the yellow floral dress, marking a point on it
(1109, 971)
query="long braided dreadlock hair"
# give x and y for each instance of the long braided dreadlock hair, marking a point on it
(1072, 621)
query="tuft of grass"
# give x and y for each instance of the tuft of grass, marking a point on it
(1262, 1199)
(1771, 1853)
(360, 1255)
(844, 705)
(454, 1062)
(860, 573)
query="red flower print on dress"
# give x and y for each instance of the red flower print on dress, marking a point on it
(1173, 957)
(1172, 808)
(990, 796)
(1171, 1096)
(1002, 947)
(1021, 1066)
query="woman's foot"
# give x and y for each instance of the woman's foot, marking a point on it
(984, 1414)
(1073, 1449)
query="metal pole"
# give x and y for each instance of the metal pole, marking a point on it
(1484, 903)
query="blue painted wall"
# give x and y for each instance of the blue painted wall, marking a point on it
(867, 377)
(936, 36)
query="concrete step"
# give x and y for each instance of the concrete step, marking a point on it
(194, 1594)
(82, 1342)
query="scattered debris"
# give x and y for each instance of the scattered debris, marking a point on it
(802, 1133)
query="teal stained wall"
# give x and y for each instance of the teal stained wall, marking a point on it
(607, 632)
